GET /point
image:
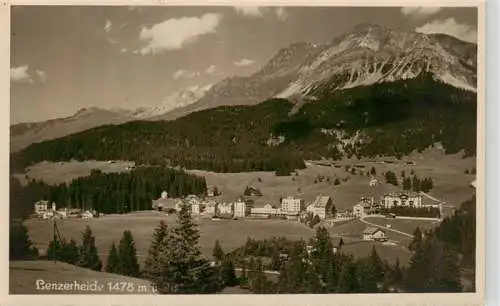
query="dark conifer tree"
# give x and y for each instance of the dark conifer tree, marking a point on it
(113, 263)
(89, 256)
(127, 256)
(218, 253)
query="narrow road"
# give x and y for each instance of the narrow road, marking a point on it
(266, 271)
(386, 229)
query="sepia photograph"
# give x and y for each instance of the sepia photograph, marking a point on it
(245, 150)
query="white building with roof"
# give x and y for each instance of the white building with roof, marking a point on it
(225, 208)
(164, 203)
(374, 234)
(321, 207)
(292, 204)
(406, 199)
(242, 208)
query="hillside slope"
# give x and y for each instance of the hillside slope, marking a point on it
(393, 118)
(23, 276)
(24, 134)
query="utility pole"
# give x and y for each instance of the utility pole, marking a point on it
(54, 238)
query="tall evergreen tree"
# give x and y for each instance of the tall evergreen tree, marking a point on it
(348, 280)
(417, 239)
(127, 254)
(228, 275)
(218, 253)
(71, 253)
(322, 253)
(20, 246)
(433, 268)
(113, 264)
(89, 256)
(159, 235)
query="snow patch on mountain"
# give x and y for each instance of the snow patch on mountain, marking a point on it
(178, 99)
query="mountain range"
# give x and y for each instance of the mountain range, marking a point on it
(368, 54)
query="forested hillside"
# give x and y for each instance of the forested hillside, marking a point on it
(378, 120)
(117, 192)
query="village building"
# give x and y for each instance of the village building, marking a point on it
(293, 205)
(87, 215)
(321, 207)
(358, 210)
(210, 207)
(242, 208)
(373, 182)
(194, 203)
(43, 207)
(267, 210)
(164, 203)
(345, 215)
(225, 209)
(374, 234)
(406, 199)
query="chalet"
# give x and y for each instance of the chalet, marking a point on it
(407, 199)
(164, 203)
(292, 204)
(373, 182)
(374, 234)
(473, 184)
(41, 207)
(87, 215)
(252, 191)
(321, 207)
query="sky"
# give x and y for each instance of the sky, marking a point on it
(64, 58)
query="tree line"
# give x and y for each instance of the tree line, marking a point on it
(411, 182)
(119, 192)
(387, 119)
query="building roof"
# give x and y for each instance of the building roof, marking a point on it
(43, 202)
(165, 203)
(321, 201)
(371, 230)
(403, 193)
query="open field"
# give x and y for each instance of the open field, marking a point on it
(63, 172)
(354, 230)
(451, 184)
(23, 276)
(230, 233)
(404, 225)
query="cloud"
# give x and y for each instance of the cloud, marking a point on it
(211, 69)
(249, 11)
(108, 26)
(20, 75)
(258, 12)
(185, 74)
(176, 33)
(42, 76)
(244, 62)
(281, 13)
(420, 11)
(123, 50)
(450, 27)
